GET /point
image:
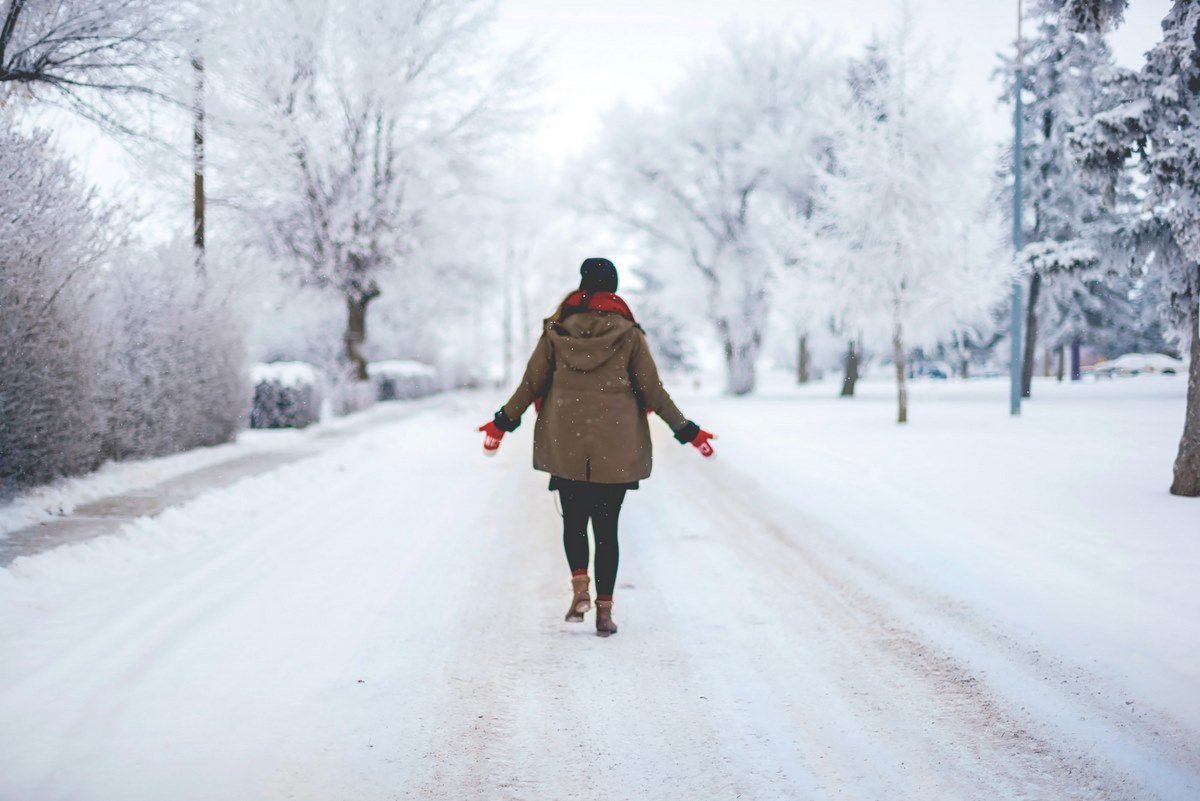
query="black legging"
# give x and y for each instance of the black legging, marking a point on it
(601, 503)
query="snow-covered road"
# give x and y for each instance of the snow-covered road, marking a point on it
(384, 621)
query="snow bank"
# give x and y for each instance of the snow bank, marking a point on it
(286, 374)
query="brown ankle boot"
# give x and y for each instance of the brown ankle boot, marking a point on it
(604, 621)
(581, 600)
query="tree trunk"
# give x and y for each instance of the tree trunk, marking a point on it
(802, 366)
(356, 334)
(739, 363)
(901, 386)
(851, 376)
(1047, 360)
(1035, 288)
(1076, 370)
(1187, 463)
(1061, 359)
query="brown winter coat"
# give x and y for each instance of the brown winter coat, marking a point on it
(597, 377)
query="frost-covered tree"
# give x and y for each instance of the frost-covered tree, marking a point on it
(1093, 15)
(700, 175)
(375, 114)
(1063, 83)
(904, 236)
(1158, 122)
(87, 53)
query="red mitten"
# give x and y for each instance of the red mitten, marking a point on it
(491, 438)
(703, 444)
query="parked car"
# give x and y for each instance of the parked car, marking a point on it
(401, 379)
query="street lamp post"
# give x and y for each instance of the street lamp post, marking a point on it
(1014, 365)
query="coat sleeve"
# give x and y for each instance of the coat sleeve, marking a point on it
(648, 386)
(534, 384)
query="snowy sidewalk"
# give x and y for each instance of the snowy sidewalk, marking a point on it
(188, 475)
(383, 620)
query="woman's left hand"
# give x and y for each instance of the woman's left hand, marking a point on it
(702, 443)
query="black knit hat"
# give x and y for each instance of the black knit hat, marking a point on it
(598, 275)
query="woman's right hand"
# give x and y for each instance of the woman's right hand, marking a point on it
(491, 437)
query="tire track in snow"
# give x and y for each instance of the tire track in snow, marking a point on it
(228, 647)
(545, 709)
(979, 744)
(370, 639)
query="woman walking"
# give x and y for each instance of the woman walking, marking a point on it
(593, 381)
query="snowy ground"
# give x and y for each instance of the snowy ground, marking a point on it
(971, 607)
(82, 507)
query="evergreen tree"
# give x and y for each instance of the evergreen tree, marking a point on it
(1158, 127)
(1063, 86)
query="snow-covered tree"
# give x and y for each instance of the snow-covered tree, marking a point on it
(700, 175)
(87, 54)
(904, 236)
(1063, 84)
(1093, 15)
(376, 114)
(1158, 122)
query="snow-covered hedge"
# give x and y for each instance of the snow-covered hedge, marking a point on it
(174, 373)
(48, 356)
(401, 379)
(106, 352)
(286, 395)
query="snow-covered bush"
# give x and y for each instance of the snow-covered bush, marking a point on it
(286, 395)
(105, 352)
(174, 372)
(349, 395)
(49, 248)
(402, 380)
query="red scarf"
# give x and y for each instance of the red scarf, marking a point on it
(599, 301)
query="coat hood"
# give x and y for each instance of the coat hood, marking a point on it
(587, 340)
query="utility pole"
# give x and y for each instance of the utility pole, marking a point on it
(198, 162)
(1014, 365)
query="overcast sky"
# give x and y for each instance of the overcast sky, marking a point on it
(600, 52)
